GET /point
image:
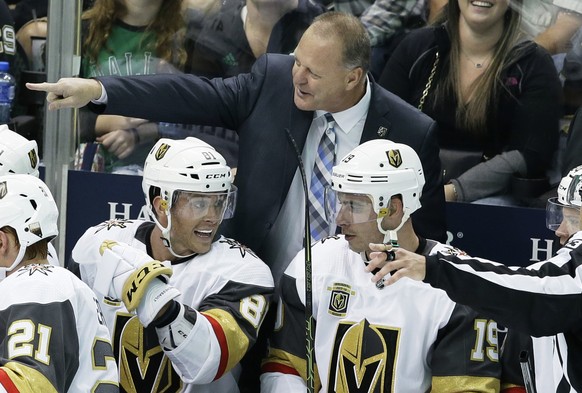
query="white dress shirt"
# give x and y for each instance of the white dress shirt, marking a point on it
(285, 239)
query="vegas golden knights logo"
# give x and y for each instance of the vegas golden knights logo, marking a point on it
(143, 366)
(363, 358)
(162, 150)
(33, 158)
(339, 299)
(35, 229)
(394, 158)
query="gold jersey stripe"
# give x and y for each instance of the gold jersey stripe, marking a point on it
(237, 342)
(465, 384)
(27, 379)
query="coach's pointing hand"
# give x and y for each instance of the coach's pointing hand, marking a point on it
(69, 92)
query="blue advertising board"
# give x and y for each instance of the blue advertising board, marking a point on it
(514, 236)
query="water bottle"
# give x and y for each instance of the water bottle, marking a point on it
(7, 85)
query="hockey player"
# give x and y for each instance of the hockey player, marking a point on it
(204, 320)
(19, 155)
(540, 300)
(54, 337)
(403, 338)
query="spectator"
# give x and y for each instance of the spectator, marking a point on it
(221, 289)
(386, 21)
(551, 23)
(9, 49)
(540, 300)
(497, 102)
(327, 74)
(129, 38)
(54, 336)
(572, 74)
(400, 339)
(12, 52)
(229, 42)
(30, 22)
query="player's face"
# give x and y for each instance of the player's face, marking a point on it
(570, 224)
(319, 77)
(195, 219)
(357, 220)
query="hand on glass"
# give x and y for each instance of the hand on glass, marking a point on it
(69, 92)
(405, 264)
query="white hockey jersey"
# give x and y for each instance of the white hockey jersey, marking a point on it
(227, 292)
(407, 337)
(53, 333)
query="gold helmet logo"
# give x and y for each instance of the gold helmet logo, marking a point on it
(33, 158)
(162, 150)
(394, 157)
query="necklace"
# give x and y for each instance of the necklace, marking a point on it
(479, 64)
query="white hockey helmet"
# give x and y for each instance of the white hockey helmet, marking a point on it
(569, 196)
(186, 165)
(379, 169)
(17, 154)
(27, 206)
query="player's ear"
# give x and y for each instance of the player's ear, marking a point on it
(4, 242)
(160, 207)
(396, 205)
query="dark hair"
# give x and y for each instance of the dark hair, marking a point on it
(36, 250)
(167, 26)
(353, 35)
(474, 114)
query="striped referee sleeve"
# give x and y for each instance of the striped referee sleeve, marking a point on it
(542, 299)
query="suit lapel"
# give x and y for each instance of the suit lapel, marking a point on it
(377, 125)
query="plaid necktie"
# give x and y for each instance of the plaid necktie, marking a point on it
(320, 178)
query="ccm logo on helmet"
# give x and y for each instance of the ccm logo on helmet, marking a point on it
(216, 176)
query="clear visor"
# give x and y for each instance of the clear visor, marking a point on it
(344, 208)
(560, 215)
(212, 205)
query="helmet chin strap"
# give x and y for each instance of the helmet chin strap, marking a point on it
(166, 234)
(5, 270)
(391, 235)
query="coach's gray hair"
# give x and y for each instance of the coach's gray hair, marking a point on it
(352, 35)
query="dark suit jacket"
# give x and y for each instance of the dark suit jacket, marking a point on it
(259, 105)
